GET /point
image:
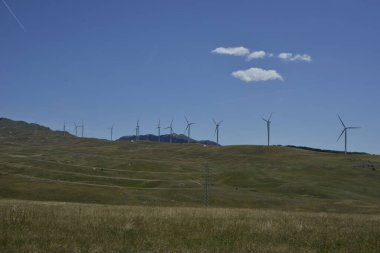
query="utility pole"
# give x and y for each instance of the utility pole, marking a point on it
(206, 185)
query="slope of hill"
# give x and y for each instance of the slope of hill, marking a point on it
(176, 138)
(48, 166)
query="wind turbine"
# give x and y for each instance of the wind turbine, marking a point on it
(76, 129)
(188, 126)
(217, 124)
(82, 126)
(345, 133)
(137, 130)
(111, 130)
(64, 128)
(171, 131)
(159, 130)
(268, 125)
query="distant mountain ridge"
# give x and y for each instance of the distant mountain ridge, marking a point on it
(177, 138)
(21, 129)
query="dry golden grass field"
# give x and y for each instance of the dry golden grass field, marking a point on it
(27, 226)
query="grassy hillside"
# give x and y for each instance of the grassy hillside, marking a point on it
(62, 227)
(38, 164)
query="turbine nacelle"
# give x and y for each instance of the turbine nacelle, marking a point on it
(188, 125)
(217, 124)
(268, 120)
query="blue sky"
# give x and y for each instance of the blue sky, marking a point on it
(118, 61)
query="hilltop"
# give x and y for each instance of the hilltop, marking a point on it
(49, 166)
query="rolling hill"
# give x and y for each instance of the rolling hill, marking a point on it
(39, 164)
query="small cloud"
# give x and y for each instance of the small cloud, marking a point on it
(301, 57)
(285, 56)
(297, 57)
(257, 55)
(257, 74)
(235, 51)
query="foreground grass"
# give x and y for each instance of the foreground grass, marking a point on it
(61, 227)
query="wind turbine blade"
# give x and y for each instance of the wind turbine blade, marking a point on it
(353, 127)
(187, 121)
(270, 116)
(341, 134)
(214, 121)
(216, 129)
(220, 122)
(341, 121)
(265, 120)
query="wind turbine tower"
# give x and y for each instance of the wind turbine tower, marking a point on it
(268, 126)
(171, 131)
(111, 131)
(345, 133)
(64, 128)
(159, 130)
(137, 130)
(76, 129)
(82, 126)
(188, 126)
(217, 124)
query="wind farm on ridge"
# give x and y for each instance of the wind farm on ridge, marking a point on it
(216, 134)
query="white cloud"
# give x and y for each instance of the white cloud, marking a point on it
(236, 51)
(301, 57)
(257, 74)
(285, 56)
(297, 57)
(257, 55)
